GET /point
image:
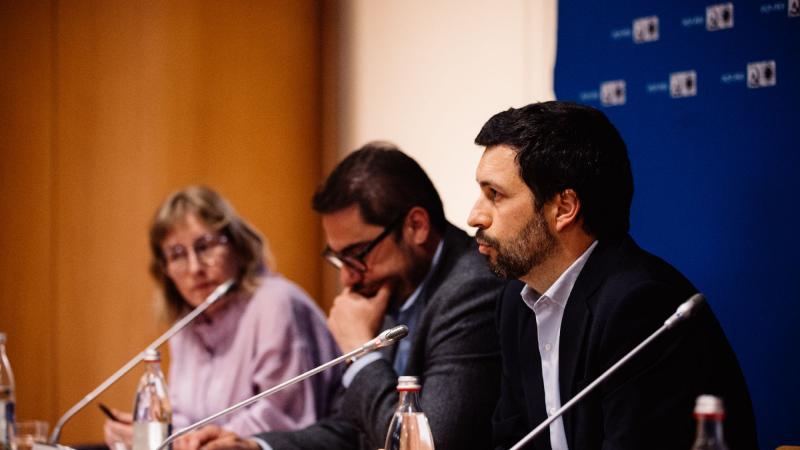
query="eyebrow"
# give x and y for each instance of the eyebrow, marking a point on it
(350, 247)
(492, 185)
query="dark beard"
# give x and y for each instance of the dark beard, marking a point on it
(532, 246)
(402, 285)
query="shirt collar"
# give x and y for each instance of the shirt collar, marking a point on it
(213, 332)
(558, 292)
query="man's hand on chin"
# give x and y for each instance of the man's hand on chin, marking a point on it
(212, 437)
(355, 319)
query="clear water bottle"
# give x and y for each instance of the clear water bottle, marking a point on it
(152, 413)
(709, 413)
(7, 400)
(409, 429)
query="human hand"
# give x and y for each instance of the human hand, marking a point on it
(355, 319)
(119, 432)
(213, 437)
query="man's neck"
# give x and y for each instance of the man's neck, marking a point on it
(541, 277)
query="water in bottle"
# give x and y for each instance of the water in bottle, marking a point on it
(152, 413)
(7, 398)
(409, 429)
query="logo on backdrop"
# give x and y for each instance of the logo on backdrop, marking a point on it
(719, 17)
(794, 8)
(683, 84)
(612, 93)
(645, 29)
(761, 74)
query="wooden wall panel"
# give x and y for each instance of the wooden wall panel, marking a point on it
(126, 102)
(27, 304)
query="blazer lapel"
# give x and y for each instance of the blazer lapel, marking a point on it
(576, 320)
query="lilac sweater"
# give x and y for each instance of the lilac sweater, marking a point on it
(249, 346)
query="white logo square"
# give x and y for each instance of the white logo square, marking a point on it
(761, 74)
(612, 93)
(645, 29)
(719, 17)
(683, 84)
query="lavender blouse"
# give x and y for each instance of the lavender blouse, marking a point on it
(251, 345)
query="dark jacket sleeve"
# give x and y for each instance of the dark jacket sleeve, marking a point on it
(327, 434)
(648, 403)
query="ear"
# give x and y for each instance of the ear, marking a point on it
(567, 207)
(417, 225)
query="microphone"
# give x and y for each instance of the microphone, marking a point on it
(683, 312)
(386, 338)
(218, 293)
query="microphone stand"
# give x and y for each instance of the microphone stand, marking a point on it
(221, 290)
(384, 339)
(682, 313)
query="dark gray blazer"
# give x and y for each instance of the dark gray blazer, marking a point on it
(454, 351)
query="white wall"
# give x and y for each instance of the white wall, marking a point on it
(427, 75)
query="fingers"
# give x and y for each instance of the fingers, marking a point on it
(381, 298)
(197, 439)
(117, 432)
(231, 442)
(355, 319)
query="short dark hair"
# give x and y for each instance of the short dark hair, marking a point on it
(384, 182)
(562, 145)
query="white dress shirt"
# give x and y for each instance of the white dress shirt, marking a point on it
(549, 310)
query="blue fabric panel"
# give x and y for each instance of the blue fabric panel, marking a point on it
(707, 97)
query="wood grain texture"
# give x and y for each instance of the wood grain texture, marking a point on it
(111, 106)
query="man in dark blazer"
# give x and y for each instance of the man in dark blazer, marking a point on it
(400, 261)
(554, 213)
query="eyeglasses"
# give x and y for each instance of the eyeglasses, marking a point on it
(353, 256)
(208, 249)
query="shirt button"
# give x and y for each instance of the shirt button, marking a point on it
(548, 347)
(552, 411)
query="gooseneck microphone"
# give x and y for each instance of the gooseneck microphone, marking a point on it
(218, 293)
(683, 312)
(384, 339)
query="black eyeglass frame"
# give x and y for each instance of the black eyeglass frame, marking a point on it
(356, 262)
(201, 246)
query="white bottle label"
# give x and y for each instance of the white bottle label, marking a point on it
(149, 435)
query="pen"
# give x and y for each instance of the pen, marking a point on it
(107, 411)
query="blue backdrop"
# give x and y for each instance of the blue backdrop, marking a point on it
(707, 97)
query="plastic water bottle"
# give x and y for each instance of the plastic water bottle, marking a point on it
(7, 398)
(409, 429)
(709, 413)
(152, 413)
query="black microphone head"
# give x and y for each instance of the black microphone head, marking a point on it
(396, 333)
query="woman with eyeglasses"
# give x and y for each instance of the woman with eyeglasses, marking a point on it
(265, 331)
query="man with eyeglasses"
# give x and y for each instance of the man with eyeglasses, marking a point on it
(400, 262)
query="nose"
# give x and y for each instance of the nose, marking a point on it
(194, 265)
(348, 277)
(478, 216)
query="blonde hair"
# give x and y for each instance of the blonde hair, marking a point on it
(248, 246)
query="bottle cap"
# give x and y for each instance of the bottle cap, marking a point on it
(408, 383)
(709, 405)
(152, 355)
